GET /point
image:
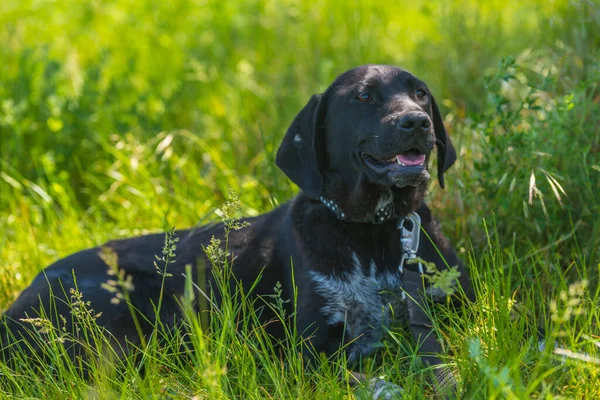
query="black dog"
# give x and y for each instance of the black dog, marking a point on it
(360, 153)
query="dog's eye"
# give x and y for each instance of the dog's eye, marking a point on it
(364, 97)
(421, 93)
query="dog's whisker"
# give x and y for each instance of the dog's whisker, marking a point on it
(371, 137)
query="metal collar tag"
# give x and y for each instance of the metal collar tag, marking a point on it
(410, 232)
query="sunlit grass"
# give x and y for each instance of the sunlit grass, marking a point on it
(122, 118)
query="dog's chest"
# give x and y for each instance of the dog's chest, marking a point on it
(364, 299)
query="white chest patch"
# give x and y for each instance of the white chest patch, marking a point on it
(363, 299)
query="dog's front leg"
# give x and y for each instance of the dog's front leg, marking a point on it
(318, 335)
(421, 328)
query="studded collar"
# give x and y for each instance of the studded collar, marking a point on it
(381, 215)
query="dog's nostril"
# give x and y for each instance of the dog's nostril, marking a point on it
(407, 123)
(426, 123)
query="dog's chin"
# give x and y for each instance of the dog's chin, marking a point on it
(416, 178)
(393, 173)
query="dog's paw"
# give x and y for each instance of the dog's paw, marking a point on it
(379, 389)
(445, 385)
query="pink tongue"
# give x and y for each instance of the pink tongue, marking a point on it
(411, 158)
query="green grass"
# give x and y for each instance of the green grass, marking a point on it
(120, 118)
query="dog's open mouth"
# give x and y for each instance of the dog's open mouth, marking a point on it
(412, 160)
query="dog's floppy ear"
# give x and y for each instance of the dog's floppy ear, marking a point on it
(298, 154)
(446, 155)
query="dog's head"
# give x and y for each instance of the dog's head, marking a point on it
(373, 128)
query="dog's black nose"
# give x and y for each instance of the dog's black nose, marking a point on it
(414, 122)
